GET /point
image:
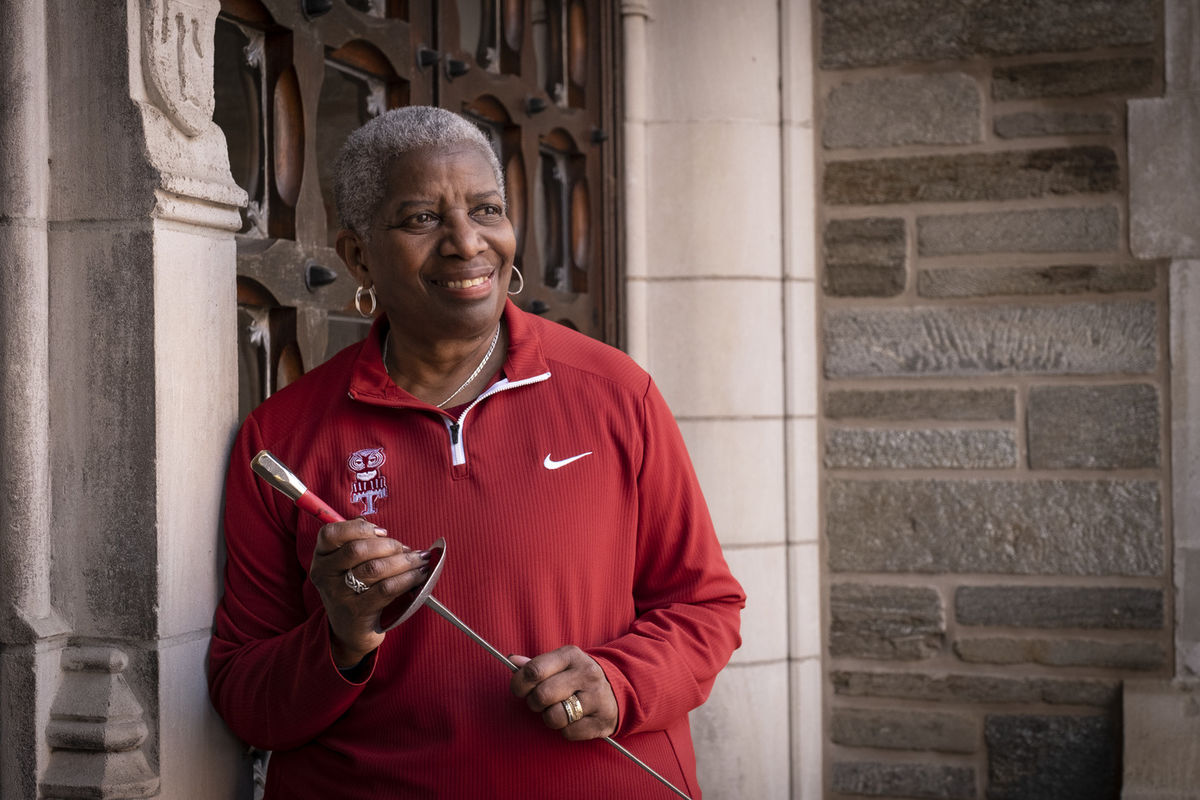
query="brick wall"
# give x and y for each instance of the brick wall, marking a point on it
(993, 397)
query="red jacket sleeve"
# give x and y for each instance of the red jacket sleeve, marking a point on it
(688, 603)
(271, 674)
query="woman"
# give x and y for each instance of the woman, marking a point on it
(577, 536)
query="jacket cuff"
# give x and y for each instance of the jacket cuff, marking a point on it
(358, 674)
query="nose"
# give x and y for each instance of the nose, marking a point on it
(462, 236)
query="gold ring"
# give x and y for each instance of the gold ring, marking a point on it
(354, 583)
(574, 709)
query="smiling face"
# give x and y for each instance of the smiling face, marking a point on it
(441, 247)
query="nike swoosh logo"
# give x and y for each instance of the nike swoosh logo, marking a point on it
(550, 463)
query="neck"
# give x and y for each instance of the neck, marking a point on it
(446, 372)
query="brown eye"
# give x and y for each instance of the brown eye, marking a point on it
(489, 211)
(423, 219)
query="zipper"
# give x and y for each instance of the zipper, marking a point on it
(458, 450)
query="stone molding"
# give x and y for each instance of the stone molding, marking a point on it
(96, 731)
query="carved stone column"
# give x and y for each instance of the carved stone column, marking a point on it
(31, 633)
(141, 396)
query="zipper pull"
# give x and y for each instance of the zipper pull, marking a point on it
(454, 433)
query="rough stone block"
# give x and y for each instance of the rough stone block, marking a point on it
(1076, 339)
(942, 108)
(976, 688)
(865, 257)
(1061, 652)
(1012, 175)
(1046, 230)
(1027, 124)
(1181, 69)
(862, 33)
(1033, 757)
(922, 404)
(1123, 76)
(1064, 279)
(886, 622)
(1094, 427)
(906, 729)
(903, 780)
(993, 526)
(922, 449)
(1060, 607)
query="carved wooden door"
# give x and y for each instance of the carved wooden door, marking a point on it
(294, 77)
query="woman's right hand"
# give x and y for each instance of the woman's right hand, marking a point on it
(387, 567)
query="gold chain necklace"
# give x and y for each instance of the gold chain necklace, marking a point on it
(486, 357)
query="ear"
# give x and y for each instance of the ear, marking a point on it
(350, 248)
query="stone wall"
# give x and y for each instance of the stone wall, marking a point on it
(995, 390)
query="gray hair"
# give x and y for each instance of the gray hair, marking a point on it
(360, 172)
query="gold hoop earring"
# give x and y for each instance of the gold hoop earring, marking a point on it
(522, 277)
(358, 293)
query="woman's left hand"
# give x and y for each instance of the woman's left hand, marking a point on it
(547, 680)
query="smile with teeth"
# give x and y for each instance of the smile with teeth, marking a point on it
(467, 284)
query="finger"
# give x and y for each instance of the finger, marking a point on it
(571, 713)
(538, 669)
(590, 727)
(557, 717)
(379, 568)
(518, 684)
(393, 586)
(595, 717)
(519, 661)
(351, 555)
(550, 693)
(335, 534)
(385, 579)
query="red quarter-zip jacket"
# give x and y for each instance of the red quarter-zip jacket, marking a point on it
(572, 515)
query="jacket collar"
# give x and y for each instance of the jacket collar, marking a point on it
(370, 383)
